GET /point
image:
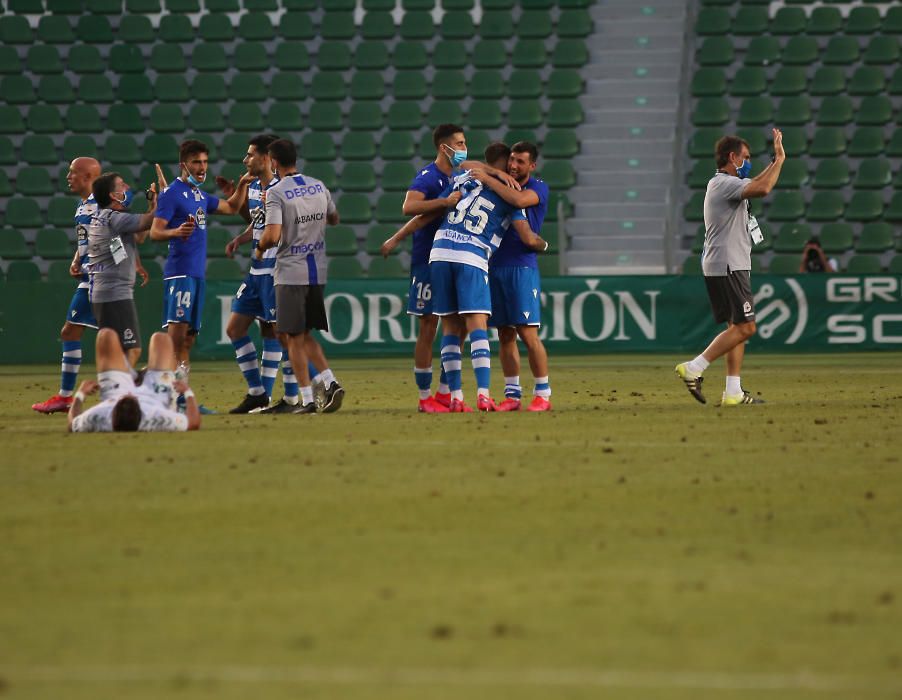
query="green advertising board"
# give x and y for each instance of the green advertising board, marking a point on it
(815, 313)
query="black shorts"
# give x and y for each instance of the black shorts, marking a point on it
(122, 317)
(731, 297)
(300, 308)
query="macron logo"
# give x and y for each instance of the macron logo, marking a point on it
(185, 195)
(423, 172)
(526, 315)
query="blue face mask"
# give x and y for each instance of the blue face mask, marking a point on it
(126, 200)
(745, 169)
(197, 183)
(456, 157)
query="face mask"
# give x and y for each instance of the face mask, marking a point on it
(126, 199)
(744, 170)
(193, 180)
(456, 157)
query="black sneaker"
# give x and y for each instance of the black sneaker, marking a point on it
(332, 398)
(304, 408)
(692, 381)
(139, 376)
(250, 402)
(281, 406)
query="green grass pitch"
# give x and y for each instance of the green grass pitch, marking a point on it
(631, 544)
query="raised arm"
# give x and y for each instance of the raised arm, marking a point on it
(762, 184)
(233, 204)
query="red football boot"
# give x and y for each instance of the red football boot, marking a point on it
(508, 404)
(458, 406)
(430, 405)
(485, 404)
(443, 399)
(539, 403)
(55, 404)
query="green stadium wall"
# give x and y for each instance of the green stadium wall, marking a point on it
(818, 313)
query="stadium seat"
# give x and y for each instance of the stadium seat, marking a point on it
(17, 89)
(23, 212)
(862, 20)
(14, 29)
(450, 55)
(841, 51)
(386, 268)
(356, 209)
(561, 143)
(873, 173)
(711, 111)
(317, 147)
(824, 206)
(786, 206)
(370, 56)
(23, 271)
(558, 174)
(892, 21)
(169, 88)
(207, 117)
(7, 152)
(44, 59)
(150, 7)
(491, 54)
(793, 175)
(176, 29)
(158, 148)
(255, 26)
(123, 149)
(326, 87)
(56, 89)
(358, 177)
(345, 268)
(396, 146)
(251, 56)
(288, 86)
(755, 111)
(893, 210)
(409, 55)
(444, 112)
(867, 80)
(410, 85)
(795, 140)
(529, 53)
(34, 181)
(828, 80)
(358, 146)
(874, 110)
(375, 236)
(831, 174)
(748, 81)
(785, 264)
(762, 51)
(13, 245)
(692, 266)
(875, 237)
(209, 57)
(388, 209)
(170, 59)
(792, 238)
(693, 210)
(208, 88)
(893, 147)
(377, 25)
(296, 26)
(715, 51)
(94, 29)
(58, 271)
(285, 116)
(136, 88)
(749, 21)
(450, 85)
(53, 244)
(125, 118)
(39, 150)
(835, 110)
(126, 58)
(824, 20)
(217, 239)
(828, 142)
(404, 115)
(788, 21)
(836, 237)
(334, 55)
(867, 141)
(863, 264)
(366, 116)
(245, 117)
(341, 240)
(865, 206)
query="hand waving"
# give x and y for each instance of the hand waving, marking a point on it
(779, 153)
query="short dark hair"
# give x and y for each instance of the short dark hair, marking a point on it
(262, 142)
(102, 188)
(495, 151)
(727, 145)
(445, 131)
(126, 414)
(526, 147)
(283, 152)
(191, 147)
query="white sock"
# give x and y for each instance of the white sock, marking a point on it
(291, 400)
(482, 392)
(443, 388)
(327, 377)
(699, 364)
(733, 386)
(457, 394)
(306, 394)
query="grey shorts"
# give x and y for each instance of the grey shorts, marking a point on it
(731, 297)
(300, 308)
(122, 317)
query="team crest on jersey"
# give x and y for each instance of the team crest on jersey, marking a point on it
(200, 217)
(128, 334)
(258, 216)
(81, 231)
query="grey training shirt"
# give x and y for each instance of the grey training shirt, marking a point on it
(109, 281)
(728, 245)
(301, 204)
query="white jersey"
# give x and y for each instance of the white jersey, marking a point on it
(154, 418)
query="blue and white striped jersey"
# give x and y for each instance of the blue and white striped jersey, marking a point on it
(83, 214)
(256, 204)
(472, 231)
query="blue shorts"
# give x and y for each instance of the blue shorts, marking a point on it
(459, 289)
(256, 297)
(419, 297)
(80, 311)
(516, 296)
(183, 301)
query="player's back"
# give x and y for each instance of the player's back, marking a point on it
(472, 231)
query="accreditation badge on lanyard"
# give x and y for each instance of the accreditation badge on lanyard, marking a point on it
(753, 228)
(117, 250)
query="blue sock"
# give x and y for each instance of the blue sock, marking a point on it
(451, 364)
(512, 388)
(479, 354)
(543, 388)
(246, 354)
(314, 372)
(288, 379)
(272, 354)
(423, 377)
(70, 365)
